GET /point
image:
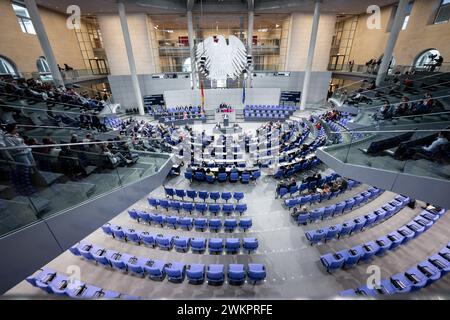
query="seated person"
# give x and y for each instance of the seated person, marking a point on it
(441, 140)
(210, 173)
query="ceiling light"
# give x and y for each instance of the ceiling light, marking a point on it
(263, 30)
(277, 26)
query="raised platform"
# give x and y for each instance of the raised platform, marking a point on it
(232, 129)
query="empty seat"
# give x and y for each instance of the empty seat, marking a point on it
(180, 193)
(185, 223)
(227, 209)
(230, 225)
(215, 245)
(215, 273)
(155, 269)
(187, 206)
(214, 196)
(215, 224)
(236, 273)
(191, 194)
(256, 272)
(195, 273)
(175, 271)
(315, 236)
(200, 224)
(250, 244)
(198, 245)
(232, 245)
(152, 202)
(332, 261)
(181, 243)
(226, 196)
(201, 207)
(214, 208)
(238, 196)
(245, 224)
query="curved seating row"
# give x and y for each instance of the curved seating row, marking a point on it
(307, 185)
(182, 244)
(335, 209)
(60, 284)
(188, 223)
(245, 177)
(213, 208)
(297, 167)
(358, 224)
(366, 251)
(202, 194)
(415, 278)
(318, 197)
(174, 271)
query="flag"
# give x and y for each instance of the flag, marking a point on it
(202, 92)
(243, 91)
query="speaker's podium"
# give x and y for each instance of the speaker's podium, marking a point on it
(224, 127)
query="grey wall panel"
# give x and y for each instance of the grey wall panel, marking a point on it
(29, 249)
(24, 252)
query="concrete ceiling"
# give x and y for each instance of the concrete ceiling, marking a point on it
(95, 7)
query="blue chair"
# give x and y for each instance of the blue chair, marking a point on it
(440, 262)
(230, 225)
(332, 232)
(256, 175)
(370, 250)
(256, 272)
(107, 230)
(226, 196)
(180, 193)
(185, 223)
(418, 279)
(214, 208)
(222, 177)
(203, 195)
(328, 211)
(245, 178)
(195, 273)
(214, 196)
(292, 190)
(215, 245)
(215, 274)
(118, 232)
(74, 249)
(234, 177)
(201, 207)
(134, 214)
(317, 214)
(164, 204)
(241, 208)
(430, 270)
(148, 238)
(406, 233)
(396, 239)
(164, 242)
(187, 206)
(215, 224)
(370, 219)
(359, 224)
(315, 198)
(210, 178)
(181, 243)
(191, 194)
(352, 256)
(198, 245)
(339, 208)
(315, 236)
(332, 261)
(348, 205)
(384, 244)
(227, 209)
(236, 274)
(283, 191)
(169, 192)
(172, 221)
(416, 228)
(381, 215)
(155, 269)
(158, 219)
(132, 236)
(423, 222)
(176, 205)
(303, 218)
(119, 260)
(175, 271)
(200, 224)
(401, 283)
(232, 245)
(199, 176)
(153, 202)
(238, 196)
(188, 175)
(144, 216)
(136, 265)
(250, 244)
(245, 224)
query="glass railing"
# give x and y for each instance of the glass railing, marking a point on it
(372, 70)
(400, 151)
(39, 181)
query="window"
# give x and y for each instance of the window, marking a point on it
(443, 14)
(408, 10)
(7, 67)
(24, 18)
(426, 58)
(42, 65)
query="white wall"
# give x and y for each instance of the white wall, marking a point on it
(301, 24)
(214, 97)
(114, 44)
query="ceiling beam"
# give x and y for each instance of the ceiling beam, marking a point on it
(190, 5)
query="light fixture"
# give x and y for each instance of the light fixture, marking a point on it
(263, 30)
(277, 26)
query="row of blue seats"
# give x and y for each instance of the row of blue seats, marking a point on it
(174, 271)
(297, 167)
(214, 208)
(358, 224)
(266, 117)
(60, 284)
(189, 223)
(168, 242)
(318, 197)
(366, 251)
(338, 138)
(336, 209)
(415, 278)
(223, 176)
(307, 185)
(269, 107)
(204, 195)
